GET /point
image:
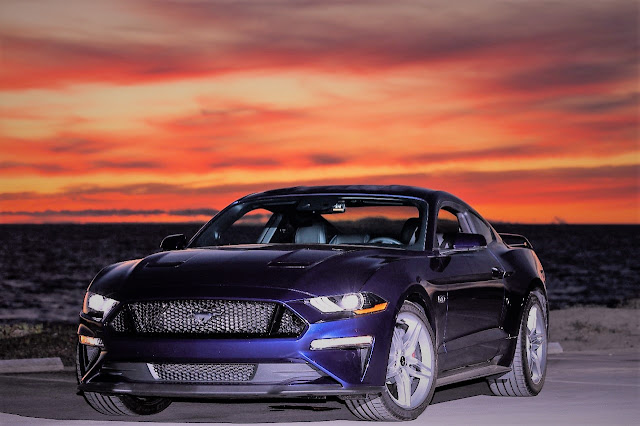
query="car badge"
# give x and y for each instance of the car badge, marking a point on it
(201, 318)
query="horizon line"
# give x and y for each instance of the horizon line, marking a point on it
(202, 223)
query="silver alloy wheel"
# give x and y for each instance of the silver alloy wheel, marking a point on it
(411, 362)
(536, 344)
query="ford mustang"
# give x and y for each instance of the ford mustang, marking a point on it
(376, 295)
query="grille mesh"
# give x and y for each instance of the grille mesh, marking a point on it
(207, 317)
(290, 324)
(203, 372)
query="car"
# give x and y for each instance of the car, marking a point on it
(376, 295)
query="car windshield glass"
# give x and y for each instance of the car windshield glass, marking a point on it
(332, 220)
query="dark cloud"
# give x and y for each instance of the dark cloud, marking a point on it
(86, 212)
(568, 75)
(131, 189)
(325, 159)
(606, 103)
(104, 164)
(25, 195)
(111, 213)
(333, 36)
(194, 212)
(246, 162)
(40, 168)
(502, 152)
(76, 146)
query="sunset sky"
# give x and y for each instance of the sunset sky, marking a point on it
(169, 110)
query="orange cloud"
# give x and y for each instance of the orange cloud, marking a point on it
(137, 107)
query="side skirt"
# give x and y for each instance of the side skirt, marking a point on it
(470, 373)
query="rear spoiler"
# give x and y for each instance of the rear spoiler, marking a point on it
(515, 240)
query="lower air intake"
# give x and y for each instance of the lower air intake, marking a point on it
(205, 373)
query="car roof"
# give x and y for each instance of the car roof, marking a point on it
(428, 195)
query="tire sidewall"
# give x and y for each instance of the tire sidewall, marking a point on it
(535, 299)
(399, 412)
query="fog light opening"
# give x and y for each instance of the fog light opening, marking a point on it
(342, 343)
(91, 341)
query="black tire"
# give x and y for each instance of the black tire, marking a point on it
(384, 407)
(116, 405)
(524, 380)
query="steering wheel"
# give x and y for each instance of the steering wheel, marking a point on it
(384, 240)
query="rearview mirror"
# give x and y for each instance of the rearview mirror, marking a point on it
(174, 242)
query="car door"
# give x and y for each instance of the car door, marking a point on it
(474, 293)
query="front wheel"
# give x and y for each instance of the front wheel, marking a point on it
(411, 371)
(529, 364)
(114, 405)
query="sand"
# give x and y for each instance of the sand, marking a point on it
(595, 328)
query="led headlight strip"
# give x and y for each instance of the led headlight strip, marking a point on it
(97, 305)
(358, 303)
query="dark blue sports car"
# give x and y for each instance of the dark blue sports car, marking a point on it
(373, 294)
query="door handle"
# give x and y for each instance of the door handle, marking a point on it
(498, 273)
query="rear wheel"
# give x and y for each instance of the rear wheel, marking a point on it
(529, 365)
(114, 405)
(411, 371)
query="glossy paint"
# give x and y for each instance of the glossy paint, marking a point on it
(474, 310)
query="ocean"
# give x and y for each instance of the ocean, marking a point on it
(45, 269)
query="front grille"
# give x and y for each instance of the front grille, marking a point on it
(225, 318)
(203, 372)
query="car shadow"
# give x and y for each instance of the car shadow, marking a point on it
(54, 396)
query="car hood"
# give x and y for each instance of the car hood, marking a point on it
(267, 271)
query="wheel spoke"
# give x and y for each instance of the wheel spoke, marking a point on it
(391, 364)
(419, 364)
(396, 342)
(530, 361)
(534, 364)
(391, 373)
(403, 383)
(412, 339)
(532, 320)
(536, 339)
(418, 369)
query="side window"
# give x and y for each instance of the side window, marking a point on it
(479, 227)
(446, 228)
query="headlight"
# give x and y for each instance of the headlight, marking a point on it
(358, 303)
(98, 306)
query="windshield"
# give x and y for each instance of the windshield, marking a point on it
(307, 220)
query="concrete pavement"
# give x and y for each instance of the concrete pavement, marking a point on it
(595, 388)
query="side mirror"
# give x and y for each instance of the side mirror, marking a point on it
(174, 242)
(469, 241)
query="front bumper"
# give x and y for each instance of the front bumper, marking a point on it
(181, 390)
(269, 380)
(286, 367)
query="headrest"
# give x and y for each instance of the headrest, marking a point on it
(350, 239)
(409, 230)
(312, 234)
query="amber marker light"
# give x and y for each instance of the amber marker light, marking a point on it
(91, 341)
(377, 308)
